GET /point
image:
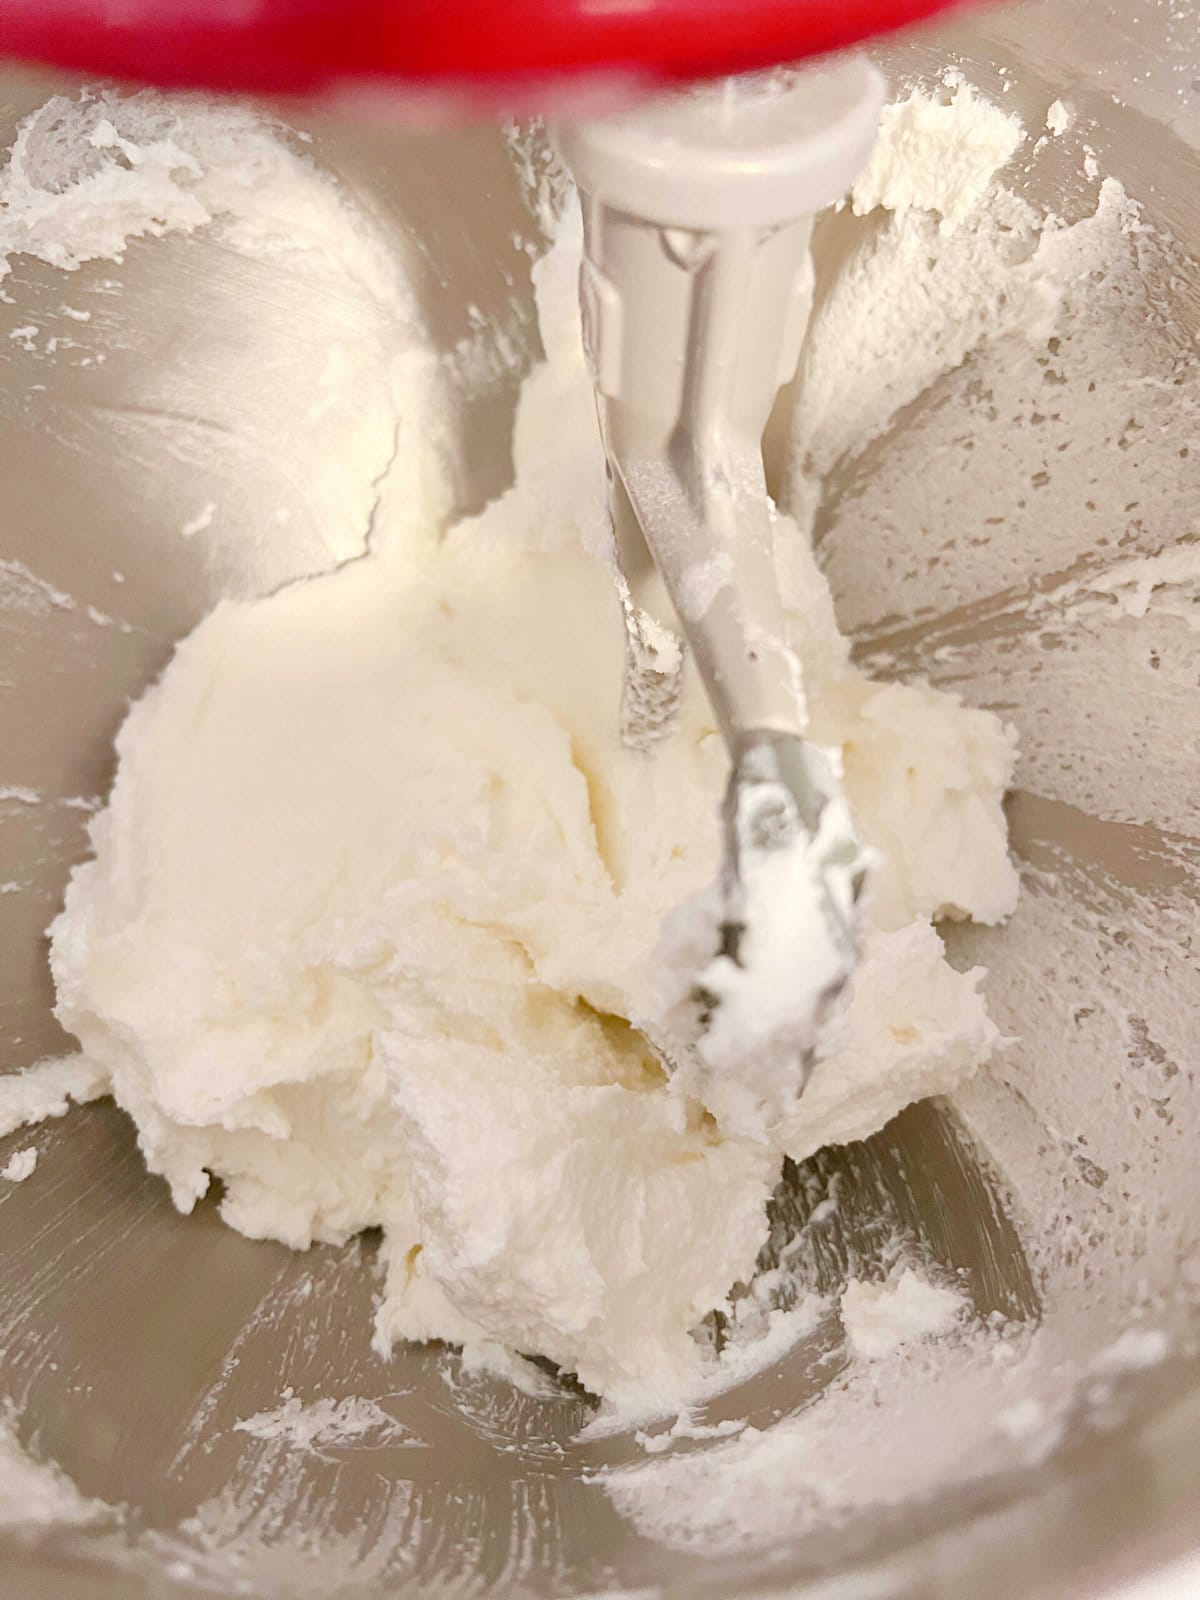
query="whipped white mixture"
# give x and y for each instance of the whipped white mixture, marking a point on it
(878, 1318)
(35, 1492)
(20, 1166)
(370, 933)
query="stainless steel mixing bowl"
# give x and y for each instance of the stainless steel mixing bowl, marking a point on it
(131, 1338)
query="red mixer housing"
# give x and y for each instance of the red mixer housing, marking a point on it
(487, 46)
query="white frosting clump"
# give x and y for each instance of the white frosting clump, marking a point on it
(879, 1318)
(370, 928)
(972, 139)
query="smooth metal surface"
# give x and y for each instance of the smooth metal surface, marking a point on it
(132, 1339)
